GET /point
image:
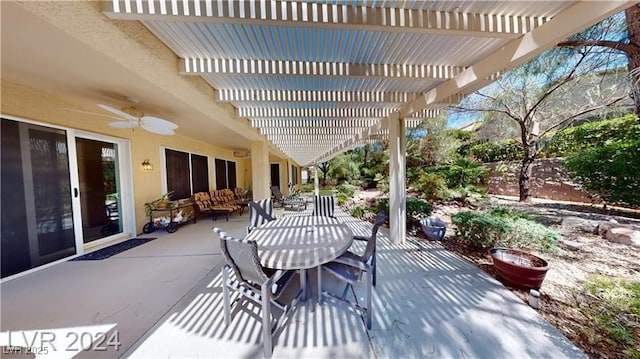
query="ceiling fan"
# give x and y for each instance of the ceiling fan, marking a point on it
(130, 117)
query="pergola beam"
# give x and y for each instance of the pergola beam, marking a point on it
(253, 67)
(311, 123)
(309, 114)
(289, 13)
(249, 95)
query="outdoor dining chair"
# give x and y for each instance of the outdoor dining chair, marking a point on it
(260, 212)
(277, 195)
(323, 206)
(380, 219)
(243, 274)
(351, 268)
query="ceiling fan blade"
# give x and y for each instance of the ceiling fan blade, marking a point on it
(123, 124)
(156, 122)
(91, 113)
(120, 113)
(159, 131)
(157, 125)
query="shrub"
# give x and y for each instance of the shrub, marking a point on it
(307, 187)
(529, 234)
(610, 172)
(464, 172)
(357, 212)
(464, 194)
(504, 150)
(416, 208)
(431, 185)
(592, 134)
(479, 229)
(505, 212)
(504, 228)
(342, 198)
(347, 189)
(611, 304)
(382, 182)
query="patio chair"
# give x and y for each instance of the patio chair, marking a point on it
(351, 268)
(260, 212)
(380, 219)
(323, 206)
(243, 274)
(277, 195)
(294, 202)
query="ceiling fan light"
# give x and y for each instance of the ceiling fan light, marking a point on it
(133, 111)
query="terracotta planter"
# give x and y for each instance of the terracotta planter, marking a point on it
(519, 269)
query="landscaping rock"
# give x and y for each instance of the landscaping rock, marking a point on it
(604, 227)
(573, 245)
(624, 235)
(547, 220)
(584, 225)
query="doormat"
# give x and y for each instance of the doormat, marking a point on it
(113, 249)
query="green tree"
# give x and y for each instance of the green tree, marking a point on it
(439, 145)
(345, 167)
(324, 167)
(549, 93)
(373, 160)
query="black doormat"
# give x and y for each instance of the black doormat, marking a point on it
(113, 250)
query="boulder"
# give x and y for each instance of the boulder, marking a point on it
(624, 235)
(584, 225)
(547, 220)
(604, 227)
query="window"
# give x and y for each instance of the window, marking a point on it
(187, 173)
(225, 174)
(200, 173)
(294, 175)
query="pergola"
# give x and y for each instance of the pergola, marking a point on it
(312, 79)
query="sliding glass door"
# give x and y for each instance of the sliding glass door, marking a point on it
(99, 188)
(36, 204)
(62, 191)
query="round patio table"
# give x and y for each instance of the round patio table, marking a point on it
(301, 242)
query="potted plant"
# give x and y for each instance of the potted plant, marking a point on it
(163, 202)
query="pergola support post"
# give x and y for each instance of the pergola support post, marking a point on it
(260, 170)
(316, 181)
(397, 179)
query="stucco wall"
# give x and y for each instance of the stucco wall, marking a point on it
(550, 181)
(46, 108)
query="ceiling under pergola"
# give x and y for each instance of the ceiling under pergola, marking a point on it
(319, 77)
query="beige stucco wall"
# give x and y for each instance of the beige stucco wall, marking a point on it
(46, 108)
(549, 180)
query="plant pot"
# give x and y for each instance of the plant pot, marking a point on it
(518, 268)
(433, 228)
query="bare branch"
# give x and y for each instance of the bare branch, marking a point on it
(579, 114)
(615, 45)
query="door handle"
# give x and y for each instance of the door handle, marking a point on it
(75, 192)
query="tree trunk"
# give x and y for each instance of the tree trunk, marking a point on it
(524, 180)
(632, 15)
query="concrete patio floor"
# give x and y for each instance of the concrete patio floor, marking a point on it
(164, 299)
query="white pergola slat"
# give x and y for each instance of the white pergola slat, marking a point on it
(263, 12)
(316, 77)
(304, 60)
